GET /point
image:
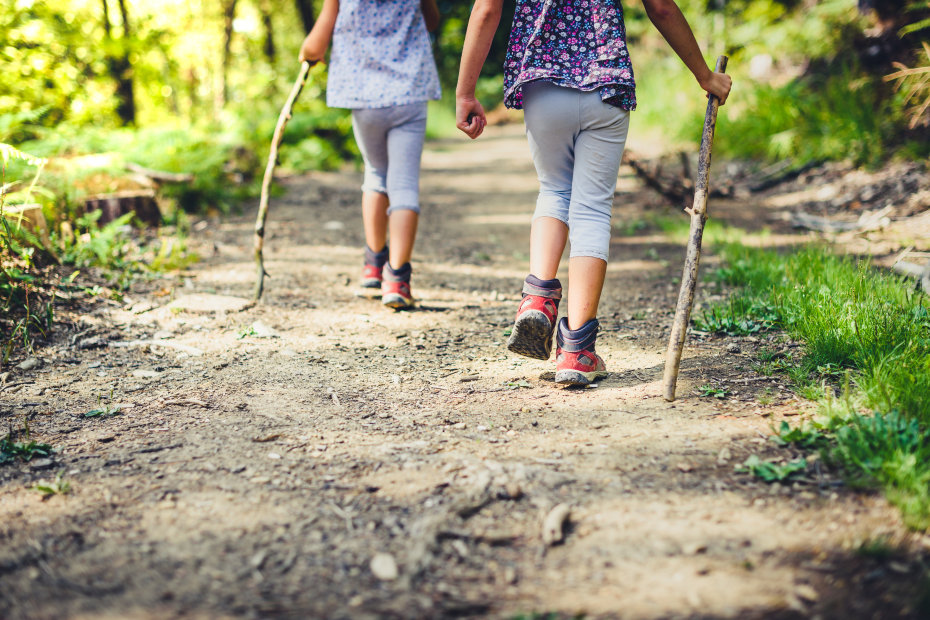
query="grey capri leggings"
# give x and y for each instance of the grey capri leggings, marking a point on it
(391, 142)
(577, 142)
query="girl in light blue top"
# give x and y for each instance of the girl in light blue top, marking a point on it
(382, 68)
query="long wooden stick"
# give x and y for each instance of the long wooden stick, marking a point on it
(283, 118)
(698, 212)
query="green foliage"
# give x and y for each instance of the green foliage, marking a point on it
(771, 471)
(870, 330)
(713, 391)
(738, 316)
(25, 450)
(59, 487)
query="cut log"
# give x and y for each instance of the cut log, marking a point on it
(160, 175)
(112, 206)
(30, 216)
(870, 220)
(921, 273)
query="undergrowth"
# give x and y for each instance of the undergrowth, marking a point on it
(867, 333)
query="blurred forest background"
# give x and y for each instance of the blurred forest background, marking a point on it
(107, 96)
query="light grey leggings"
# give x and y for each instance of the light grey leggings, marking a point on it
(576, 141)
(391, 142)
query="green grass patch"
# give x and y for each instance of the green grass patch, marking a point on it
(862, 331)
(17, 445)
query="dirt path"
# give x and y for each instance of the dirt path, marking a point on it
(261, 477)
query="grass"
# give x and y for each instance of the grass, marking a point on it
(865, 334)
(16, 445)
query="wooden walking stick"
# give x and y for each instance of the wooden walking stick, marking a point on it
(698, 212)
(283, 118)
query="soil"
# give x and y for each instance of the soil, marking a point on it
(319, 455)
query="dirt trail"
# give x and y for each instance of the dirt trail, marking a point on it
(260, 478)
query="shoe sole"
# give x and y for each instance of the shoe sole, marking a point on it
(397, 302)
(531, 335)
(369, 291)
(577, 377)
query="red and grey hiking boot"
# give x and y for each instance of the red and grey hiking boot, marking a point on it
(576, 363)
(370, 285)
(395, 287)
(532, 330)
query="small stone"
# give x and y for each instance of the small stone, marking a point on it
(146, 374)
(162, 334)
(395, 379)
(260, 330)
(459, 426)
(806, 592)
(39, 464)
(685, 467)
(334, 225)
(274, 455)
(724, 456)
(384, 567)
(733, 348)
(94, 342)
(29, 363)
(693, 548)
(482, 428)
(288, 352)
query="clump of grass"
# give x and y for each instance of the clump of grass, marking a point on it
(865, 331)
(12, 448)
(59, 487)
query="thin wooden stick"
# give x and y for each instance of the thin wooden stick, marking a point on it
(283, 118)
(698, 213)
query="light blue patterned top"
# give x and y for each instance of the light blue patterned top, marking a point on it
(381, 56)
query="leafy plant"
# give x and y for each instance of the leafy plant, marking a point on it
(59, 487)
(25, 450)
(713, 391)
(770, 471)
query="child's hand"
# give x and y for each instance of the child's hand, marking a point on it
(718, 84)
(469, 116)
(310, 50)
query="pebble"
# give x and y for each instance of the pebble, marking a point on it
(384, 567)
(334, 225)
(94, 342)
(733, 348)
(260, 330)
(459, 426)
(274, 455)
(29, 363)
(162, 334)
(146, 374)
(38, 464)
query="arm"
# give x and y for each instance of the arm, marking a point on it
(430, 14)
(485, 17)
(317, 42)
(671, 23)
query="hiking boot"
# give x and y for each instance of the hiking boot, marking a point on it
(395, 287)
(576, 363)
(372, 272)
(532, 329)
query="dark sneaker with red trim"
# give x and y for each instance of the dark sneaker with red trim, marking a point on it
(370, 285)
(576, 363)
(532, 330)
(371, 277)
(395, 287)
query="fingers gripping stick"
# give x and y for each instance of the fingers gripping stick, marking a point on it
(283, 118)
(698, 213)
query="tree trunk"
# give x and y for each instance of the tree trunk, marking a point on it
(264, 7)
(229, 15)
(120, 67)
(305, 9)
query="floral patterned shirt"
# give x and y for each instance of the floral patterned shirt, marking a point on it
(381, 56)
(573, 43)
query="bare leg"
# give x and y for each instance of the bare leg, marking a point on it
(547, 241)
(403, 226)
(375, 219)
(585, 281)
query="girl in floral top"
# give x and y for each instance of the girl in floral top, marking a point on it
(382, 69)
(568, 68)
